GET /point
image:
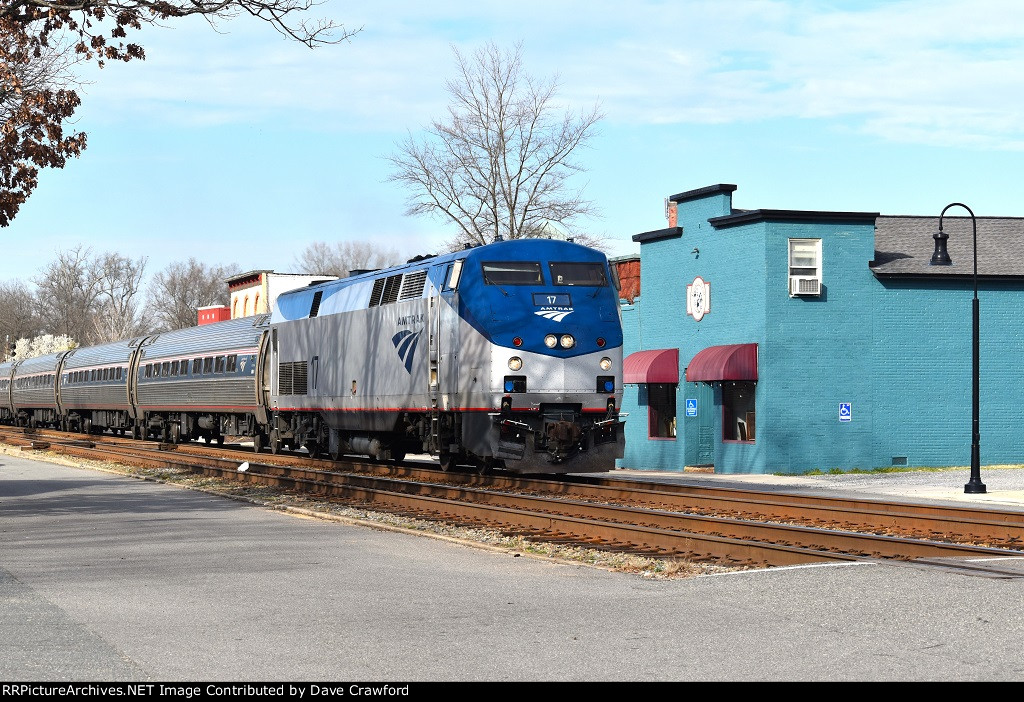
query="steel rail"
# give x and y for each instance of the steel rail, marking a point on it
(403, 494)
(805, 537)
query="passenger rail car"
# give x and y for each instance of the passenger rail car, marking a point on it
(507, 355)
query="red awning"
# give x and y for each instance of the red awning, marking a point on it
(734, 362)
(658, 366)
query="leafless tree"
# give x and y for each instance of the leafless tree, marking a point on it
(66, 291)
(177, 292)
(344, 256)
(500, 163)
(18, 318)
(117, 313)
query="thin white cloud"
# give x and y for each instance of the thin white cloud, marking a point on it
(921, 70)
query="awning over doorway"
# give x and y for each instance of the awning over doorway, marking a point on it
(733, 362)
(657, 366)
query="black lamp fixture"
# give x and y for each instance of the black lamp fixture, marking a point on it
(940, 257)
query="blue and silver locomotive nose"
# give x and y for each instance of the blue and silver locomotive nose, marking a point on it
(550, 315)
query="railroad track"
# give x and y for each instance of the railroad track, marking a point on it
(734, 527)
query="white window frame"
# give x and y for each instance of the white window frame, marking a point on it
(805, 280)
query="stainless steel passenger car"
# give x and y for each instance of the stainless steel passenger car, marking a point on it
(94, 388)
(34, 398)
(199, 382)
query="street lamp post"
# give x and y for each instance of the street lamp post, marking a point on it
(941, 258)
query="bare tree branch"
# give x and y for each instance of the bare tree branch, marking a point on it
(499, 165)
(344, 257)
(177, 292)
(67, 290)
(117, 313)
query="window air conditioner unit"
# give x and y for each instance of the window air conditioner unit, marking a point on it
(804, 285)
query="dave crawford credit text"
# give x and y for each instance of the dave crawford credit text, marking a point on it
(301, 691)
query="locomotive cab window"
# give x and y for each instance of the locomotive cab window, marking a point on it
(453, 274)
(591, 274)
(512, 273)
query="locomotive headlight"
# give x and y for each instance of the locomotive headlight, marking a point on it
(515, 363)
(567, 341)
(606, 363)
(551, 341)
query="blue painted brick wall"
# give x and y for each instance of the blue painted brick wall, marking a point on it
(899, 351)
(922, 376)
(817, 354)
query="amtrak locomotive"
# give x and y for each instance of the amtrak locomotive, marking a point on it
(500, 356)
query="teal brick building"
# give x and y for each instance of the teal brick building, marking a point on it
(784, 341)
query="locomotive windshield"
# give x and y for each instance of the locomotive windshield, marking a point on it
(578, 274)
(512, 273)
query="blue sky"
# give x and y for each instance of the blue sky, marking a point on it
(237, 146)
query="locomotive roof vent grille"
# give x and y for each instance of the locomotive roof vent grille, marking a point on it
(385, 290)
(378, 288)
(412, 286)
(391, 287)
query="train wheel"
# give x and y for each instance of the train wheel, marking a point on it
(175, 433)
(398, 456)
(447, 461)
(259, 442)
(275, 441)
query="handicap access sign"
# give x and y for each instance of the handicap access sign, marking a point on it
(691, 408)
(845, 411)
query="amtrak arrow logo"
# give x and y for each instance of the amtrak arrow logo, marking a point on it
(555, 314)
(405, 341)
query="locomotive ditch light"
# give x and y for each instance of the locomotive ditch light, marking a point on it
(606, 363)
(515, 363)
(567, 341)
(551, 341)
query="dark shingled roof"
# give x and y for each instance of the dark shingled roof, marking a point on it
(904, 246)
